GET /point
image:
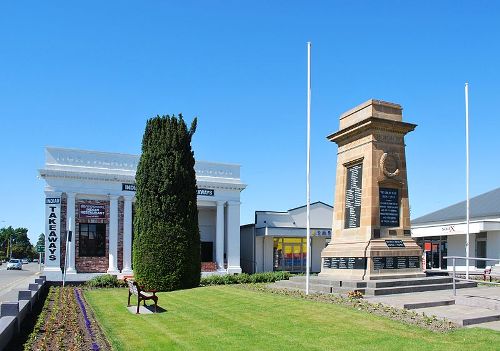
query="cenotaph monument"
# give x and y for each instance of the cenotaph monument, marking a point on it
(371, 236)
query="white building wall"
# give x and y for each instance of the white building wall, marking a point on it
(456, 247)
(317, 245)
(268, 254)
(206, 222)
(493, 246)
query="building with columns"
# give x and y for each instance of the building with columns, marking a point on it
(92, 195)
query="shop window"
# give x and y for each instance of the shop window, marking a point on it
(92, 240)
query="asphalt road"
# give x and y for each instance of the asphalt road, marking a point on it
(12, 281)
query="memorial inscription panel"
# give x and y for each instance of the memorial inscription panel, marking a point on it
(344, 262)
(389, 207)
(353, 196)
(396, 262)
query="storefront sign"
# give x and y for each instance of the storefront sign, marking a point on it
(344, 262)
(52, 227)
(394, 243)
(204, 192)
(396, 262)
(92, 211)
(318, 232)
(128, 187)
(52, 200)
(353, 196)
(389, 207)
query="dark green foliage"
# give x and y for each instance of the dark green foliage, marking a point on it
(105, 281)
(166, 234)
(266, 277)
(18, 238)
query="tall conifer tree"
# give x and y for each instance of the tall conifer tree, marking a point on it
(166, 234)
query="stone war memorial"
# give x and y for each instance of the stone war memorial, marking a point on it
(371, 236)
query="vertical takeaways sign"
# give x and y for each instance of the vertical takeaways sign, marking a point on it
(53, 224)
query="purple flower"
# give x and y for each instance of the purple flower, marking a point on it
(95, 346)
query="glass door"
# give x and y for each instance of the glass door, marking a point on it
(289, 254)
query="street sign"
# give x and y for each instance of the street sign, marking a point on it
(40, 249)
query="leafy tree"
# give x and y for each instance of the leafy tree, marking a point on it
(16, 242)
(167, 238)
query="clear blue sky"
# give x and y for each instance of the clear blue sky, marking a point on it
(89, 74)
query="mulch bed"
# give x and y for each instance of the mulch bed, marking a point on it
(66, 323)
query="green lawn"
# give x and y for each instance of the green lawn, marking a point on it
(229, 318)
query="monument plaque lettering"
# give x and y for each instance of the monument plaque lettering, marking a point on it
(389, 207)
(396, 262)
(395, 243)
(344, 262)
(353, 196)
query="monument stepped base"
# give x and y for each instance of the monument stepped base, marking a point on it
(372, 287)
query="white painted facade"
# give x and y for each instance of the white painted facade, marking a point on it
(277, 240)
(107, 181)
(454, 234)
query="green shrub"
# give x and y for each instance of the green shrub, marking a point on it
(105, 281)
(166, 235)
(244, 278)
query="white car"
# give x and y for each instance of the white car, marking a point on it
(24, 261)
(14, 263)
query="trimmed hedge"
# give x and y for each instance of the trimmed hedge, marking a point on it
(105, 281)
(266, 277)
(166, 234)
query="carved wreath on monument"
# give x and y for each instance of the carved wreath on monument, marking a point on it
(389, 165)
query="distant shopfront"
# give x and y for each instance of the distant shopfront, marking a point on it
(277, 240)
(443, 233)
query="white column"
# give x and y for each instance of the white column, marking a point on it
(219, 236)
(233, 237)
(52, 268)
(113, 235)
(127, 235)
(70, 223)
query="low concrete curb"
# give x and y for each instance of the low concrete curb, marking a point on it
(12, 314)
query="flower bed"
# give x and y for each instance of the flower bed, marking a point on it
(66, 323)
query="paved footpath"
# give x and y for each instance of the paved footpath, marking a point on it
(13, 280)
(472, 307)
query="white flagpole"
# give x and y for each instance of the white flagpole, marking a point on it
(308, 234)
(467, 252)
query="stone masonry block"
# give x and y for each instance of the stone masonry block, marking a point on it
(9, 309)
(24, 295)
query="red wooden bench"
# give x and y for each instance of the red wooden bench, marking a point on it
(142, 294)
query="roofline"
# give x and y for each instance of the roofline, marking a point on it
(455, 204)
(87, 151)
(314, 203)
(455, 220)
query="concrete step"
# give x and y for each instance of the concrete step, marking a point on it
(462, 315)
(489, 302)
(348, 284)
(315, 280)
(425, 304)
(416, 288)
(289, 284)
(408, 282)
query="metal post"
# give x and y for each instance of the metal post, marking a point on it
(467, 251)
(454, 286)
(308, 168)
